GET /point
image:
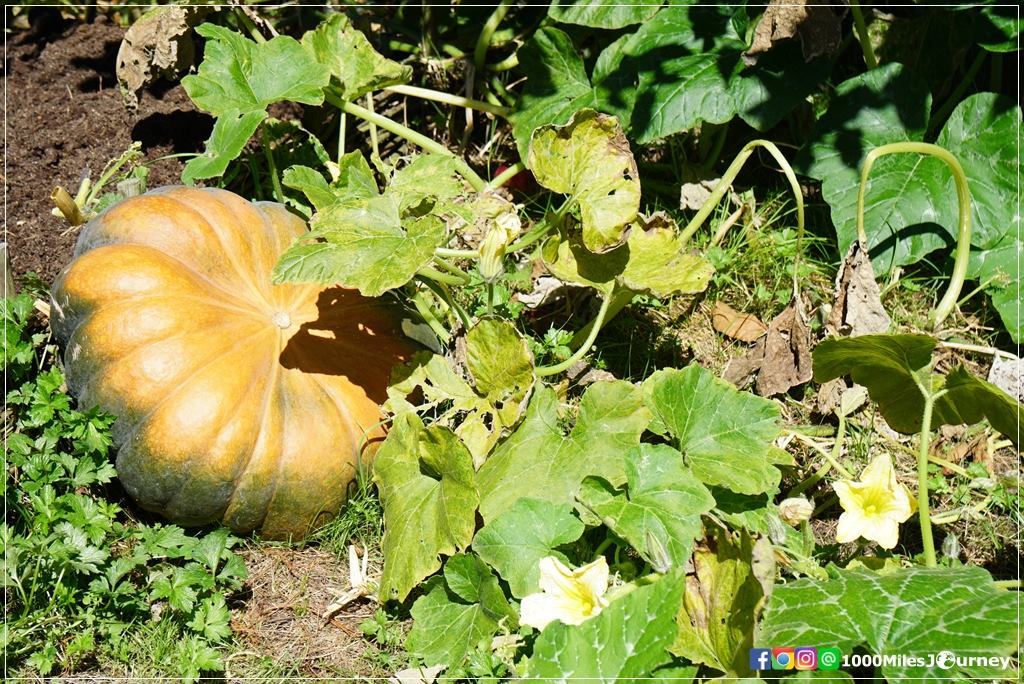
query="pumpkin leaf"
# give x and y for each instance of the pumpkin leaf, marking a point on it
(458, 612)
(426, 176)
(363, 245)
(659, 262)
(726, 435)
(997, 269)
(557, 88)
(910, 611)
(884, 105)
(538, 461)
(231, 131)
(239, 75)
(910, 207)
(892, 366)
(628, 639)
(353, 63)
(983, 133)
(428, 489)
(310, 183)
(502, 366)
(353, 180)
(602, 13)
(659, 510)
(733, 576)
(515, 541)
(589, 159)
(653, 260)
(684, 66)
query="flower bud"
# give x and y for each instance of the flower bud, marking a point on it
(795, 510)
(503, 229)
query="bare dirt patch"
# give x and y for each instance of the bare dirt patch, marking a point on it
(64, 115)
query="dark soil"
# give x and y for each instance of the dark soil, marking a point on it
(64, 115)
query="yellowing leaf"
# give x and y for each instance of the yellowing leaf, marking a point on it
(589, 159)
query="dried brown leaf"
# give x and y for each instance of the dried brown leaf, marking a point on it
(787, 353)
(818, 25)
(159, 44)
(857, 303)
(781, 359)
(740, 326)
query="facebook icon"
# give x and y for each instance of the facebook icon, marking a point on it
(760, 659)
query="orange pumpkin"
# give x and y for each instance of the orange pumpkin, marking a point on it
(236, 400)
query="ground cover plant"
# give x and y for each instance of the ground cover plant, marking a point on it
(599, 462)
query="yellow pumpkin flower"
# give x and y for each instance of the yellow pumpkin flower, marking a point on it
(567, 595)
(874, 506)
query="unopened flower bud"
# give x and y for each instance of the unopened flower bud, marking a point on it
(795, 510)
(503, 230)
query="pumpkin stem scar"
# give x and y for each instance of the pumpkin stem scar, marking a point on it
(281, 319)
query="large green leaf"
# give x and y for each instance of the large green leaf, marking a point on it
(362, 244)
(538, 461)
(912, 612)
(887, 365)
(884, 105)
(659, 511)
(626, 640)
(589, 159)
(998, 269)
(239, 75)
(910, 202)
(458, 612)
(230, 133)
(427, 485)
(733, 576)
(352, 61)
(724, 434)
(515, 541)
(893, 366)
(603, 14)
(683, 67)
(984, 134)
(557, 86)
(999, 28)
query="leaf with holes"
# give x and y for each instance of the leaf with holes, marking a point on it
(589, 159)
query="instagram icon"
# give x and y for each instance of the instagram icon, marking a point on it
(806, 658)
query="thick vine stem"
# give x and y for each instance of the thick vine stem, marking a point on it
(484, 40)
(862, 35)
(448, 98)
(406, 133)
(726, 182)
(596, 324)
(927, 541)
(963, 195)
(506, 175)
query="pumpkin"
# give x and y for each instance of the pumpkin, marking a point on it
(236, 400)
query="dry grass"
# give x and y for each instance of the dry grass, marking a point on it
(280, 624)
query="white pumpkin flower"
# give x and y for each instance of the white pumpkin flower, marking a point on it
(875, 505)
(567, 595)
